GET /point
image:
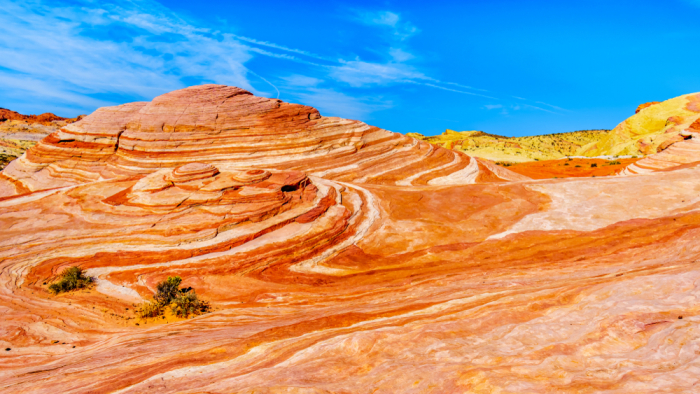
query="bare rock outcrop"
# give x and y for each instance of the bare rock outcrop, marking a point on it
(221, 124)
(337, 258)
(645, 105)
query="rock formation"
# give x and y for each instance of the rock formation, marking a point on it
(20, 132)
(338, 258)
(46, 118)
(676, 155)
(654, 127)
(645, 105)
(650, 130)
(220, 124)
(515, 149)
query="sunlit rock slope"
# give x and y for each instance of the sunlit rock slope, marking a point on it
(515, 149)
(220, 124)
(338, 258)
(654, 127)
(651, 130)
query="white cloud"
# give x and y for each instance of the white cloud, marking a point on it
(333, 103)
(493, 106)
(93, 54)
(358, 73)
(383, 18)
(400, 29)
(552, 106)
(59, 48)
(400, 55)
(301, 80)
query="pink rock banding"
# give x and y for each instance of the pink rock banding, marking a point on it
(677, 155)
(338, 258)
(220, 124)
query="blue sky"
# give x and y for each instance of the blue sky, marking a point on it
(505, 67)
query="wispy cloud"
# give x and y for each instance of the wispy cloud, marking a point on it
(400, 28)
(333, 103)
(552, 106)
(297, 80)
(87, 54)
(70, 48)
(284, 48)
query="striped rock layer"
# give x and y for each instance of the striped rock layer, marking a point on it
(346, 278)
(652, 129)
(222, 124)
(677, 155)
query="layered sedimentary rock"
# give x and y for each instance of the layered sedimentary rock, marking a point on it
(651, 130)
(678, 155)
(216, 124)
(370, 273)
(654, 127)
(20, 132)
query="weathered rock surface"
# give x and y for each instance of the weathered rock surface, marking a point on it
(46, 118)
(20, 132)
(219, 124)
(645, 105)
(651, 130)
(515, 149)
(338, 258)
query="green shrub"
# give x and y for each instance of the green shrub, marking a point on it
(167, 290)
(149, 309)
(183, 302)
(71, 278)
(187, 304)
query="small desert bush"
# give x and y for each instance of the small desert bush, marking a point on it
(71, 278)
(594, 165)
(188, 304)
(167, 290)
(149, 309)
(182, 302)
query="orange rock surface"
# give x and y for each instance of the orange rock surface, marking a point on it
(45, 118)
(569, 168)
(338, 258)
(646, 105)
(221, 124)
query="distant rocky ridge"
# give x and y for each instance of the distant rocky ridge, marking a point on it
(654, 127)
(46, 118)
(20, 132)
(515, 149)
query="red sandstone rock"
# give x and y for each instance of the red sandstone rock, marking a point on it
(46, 118)
(220, 124)
(338, 258)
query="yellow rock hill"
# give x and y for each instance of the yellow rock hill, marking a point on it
(652, 129)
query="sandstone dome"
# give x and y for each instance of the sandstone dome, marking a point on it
(223, 124)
